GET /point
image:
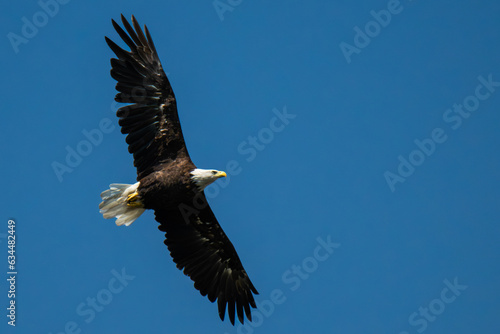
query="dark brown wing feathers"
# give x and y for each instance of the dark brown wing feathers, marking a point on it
(202, 250)
(151, 120)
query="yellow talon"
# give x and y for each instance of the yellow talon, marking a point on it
(134, 200)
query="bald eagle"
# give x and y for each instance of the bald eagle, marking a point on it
(168, 181)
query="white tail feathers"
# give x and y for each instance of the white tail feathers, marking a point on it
(114, 204)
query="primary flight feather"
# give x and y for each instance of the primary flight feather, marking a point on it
(168, 181)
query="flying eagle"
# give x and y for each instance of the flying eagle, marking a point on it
(168, 181)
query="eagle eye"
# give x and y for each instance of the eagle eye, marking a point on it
(214, 172)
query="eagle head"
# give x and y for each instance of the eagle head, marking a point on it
(204, 177)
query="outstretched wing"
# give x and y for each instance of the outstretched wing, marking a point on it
(151, 120)
(198, 245)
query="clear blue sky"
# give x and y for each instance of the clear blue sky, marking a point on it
(362, 139)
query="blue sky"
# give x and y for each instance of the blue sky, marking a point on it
(361, 142)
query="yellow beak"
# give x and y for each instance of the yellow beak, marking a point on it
(221, 174)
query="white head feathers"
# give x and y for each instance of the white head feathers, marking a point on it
(204, 177)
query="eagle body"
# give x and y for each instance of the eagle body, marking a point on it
(169, 183)
(169, 186)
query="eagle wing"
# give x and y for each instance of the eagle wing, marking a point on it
(151, 122)
(199, 246)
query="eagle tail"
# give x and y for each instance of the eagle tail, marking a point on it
(121, 201)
